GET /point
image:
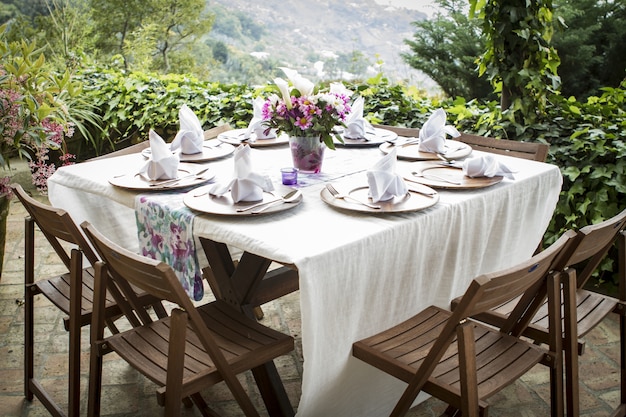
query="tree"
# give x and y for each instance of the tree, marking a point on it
(67, 31)
(114, 21)
(447, 49)
(590, 42)
(181, 22)
(519, 61)
(155, 29)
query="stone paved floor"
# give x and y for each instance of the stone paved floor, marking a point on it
(127, 393)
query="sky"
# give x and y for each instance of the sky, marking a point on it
(425, 6)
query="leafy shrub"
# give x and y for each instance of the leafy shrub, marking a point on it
(34, 113)
(132, 103)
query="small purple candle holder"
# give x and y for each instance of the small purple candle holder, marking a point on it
(289, 176)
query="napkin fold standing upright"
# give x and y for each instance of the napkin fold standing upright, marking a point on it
(432, 135)
(246, 185)
(356, 125)
(163, 164)
(190, 136)
(486, 166)
(256, 125)
(384, 183)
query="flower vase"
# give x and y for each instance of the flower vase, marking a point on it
(307, 153)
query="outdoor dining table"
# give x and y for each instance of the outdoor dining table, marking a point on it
(359, 272)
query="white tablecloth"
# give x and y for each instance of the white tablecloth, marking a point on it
(359, 273)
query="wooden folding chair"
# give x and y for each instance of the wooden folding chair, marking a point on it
(463, 362)
(588, 249)
(526, 150)
(193, 349)
(71, 292)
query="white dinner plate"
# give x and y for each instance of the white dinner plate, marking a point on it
(437, 175)
(135, 181)
(372, 138)
(211, 149)
(200, 200)
(238, 136)
(456, 150)
(411, 201)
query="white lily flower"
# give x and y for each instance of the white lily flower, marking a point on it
(273, 99)
(339, 88)
(303, 85)
(283, 86)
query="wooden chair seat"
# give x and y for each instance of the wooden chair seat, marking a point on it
(57, 290)
(244, 343)
(500, 358)
(592, 308)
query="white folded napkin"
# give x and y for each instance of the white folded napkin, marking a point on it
(246, 185)
(356, 125)
(433, 134)
(256, 125)
(384, 183)
(190, 136)
(163, 164)
(486, 166)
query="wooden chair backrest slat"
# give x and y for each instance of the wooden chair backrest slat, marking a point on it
(214, 131)
(500, 287)
(56, 225)
(408, 132)
(138, 147)
(144, 273)
(526, 150)
(593, 243)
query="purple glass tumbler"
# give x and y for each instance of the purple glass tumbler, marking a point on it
(289, 176)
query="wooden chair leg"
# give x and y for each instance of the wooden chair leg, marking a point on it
(175, 363)
(467, 369)
(258, 313)
(204, 408)
(29, 294)
(95, 381)
(76, 270)
(620, 411)
(555, 343)
(96, 335)
(571, 345)
(621, 258)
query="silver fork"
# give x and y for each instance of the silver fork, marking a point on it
(337, 194)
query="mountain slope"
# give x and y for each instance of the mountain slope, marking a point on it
(297, 32)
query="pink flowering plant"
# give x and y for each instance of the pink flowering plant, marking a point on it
(301, 109)
(33, 120)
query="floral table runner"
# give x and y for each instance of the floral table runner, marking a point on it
(165, 232)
